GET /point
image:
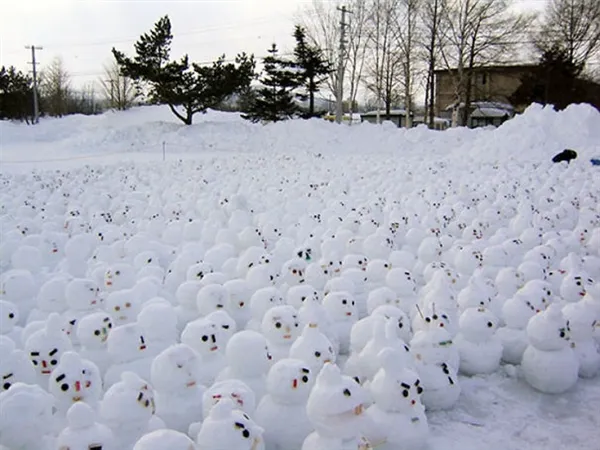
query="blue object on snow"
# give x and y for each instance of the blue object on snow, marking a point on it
(595, 161)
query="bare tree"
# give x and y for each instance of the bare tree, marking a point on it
(357, 48)
(431, 15)
(478, 32)
(55, 88)
(407, 36)
(572, 26)
(119, 91)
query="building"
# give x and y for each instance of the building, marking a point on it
(396, 116)
(492, 86)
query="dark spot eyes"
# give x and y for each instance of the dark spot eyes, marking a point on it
(305, 379)
(11, 316)
(405, 393)
(6, 385)
(318, 354)
(226, 327)
(64, 387)
(278, 325)
(54, 362)
(419, 390)
(490, 324)
(204, 338)
(347, 392)
(344, 302)
(97, 332)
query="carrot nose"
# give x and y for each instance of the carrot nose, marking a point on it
(295, 383)
(77, 386)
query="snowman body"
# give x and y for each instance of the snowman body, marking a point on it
(280, 326)
(581, 324)
(479, 349)
(343, 314)
(206, 339)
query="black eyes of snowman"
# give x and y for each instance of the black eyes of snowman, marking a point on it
(278, 325)
(97, 332)
(204, 338)
(405, 393)
(64, 387)
(427, 319)
(54, 362)
(318, 354)
(305, 379)
(344, 302)
(118, 272)
(6, 385)
(240, 426)
(419, 390)
(11, 316)
(562, 333)
(347, 392)
(490, 324)
(226, 327)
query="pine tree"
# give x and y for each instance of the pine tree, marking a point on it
(275, 99)
(181, 84)
(15, 95)
(313, 68)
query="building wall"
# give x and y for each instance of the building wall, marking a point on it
(492, 83)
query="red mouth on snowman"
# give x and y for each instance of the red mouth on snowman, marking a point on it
(214, 348)
(349, 313)
(287, 336)
(191, 384)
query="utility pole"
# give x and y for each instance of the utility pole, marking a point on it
(339, 110)
(36, 112)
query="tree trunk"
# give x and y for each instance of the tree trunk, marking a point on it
(187, 119)
(311, 97)
(431, 74)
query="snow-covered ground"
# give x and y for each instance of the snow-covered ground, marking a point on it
(360, 180)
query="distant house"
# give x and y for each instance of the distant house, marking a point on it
(490, 92)
(396, 116)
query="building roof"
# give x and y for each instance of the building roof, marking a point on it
(393, 112)
(493, 67)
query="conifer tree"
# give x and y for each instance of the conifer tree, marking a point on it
(275, 99)
(15, 95)
(313, 68)
(180, 84)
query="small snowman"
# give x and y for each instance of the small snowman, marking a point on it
(178, 392)
(398, 417)
(363, 329)
(74, 380)
(186, 296)
(238, 305)
(158, 322)
(248, 360)
(280, 326)
(119, 276)
(206, 339)
(235, 390)
(51, 298)
(45, 347)
(549, 363)
(9, 318)
(92, 334)
(26, 418)
(228, 428)
(582, 323)
(335, 408)
(84, 432)
(282, 412)
(209, 298)
(164, 439)
(298, 295)
(315, 314)
(341, 309)
(14, 365)
(314, 348)
(128, 350)
(480, 350)
(128, 408)
(261, 301)
(19, 287)
(123, 306)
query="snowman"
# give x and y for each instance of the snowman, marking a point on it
(84, 432)
(335, 408)
(128, 351)
(9, 317)
(178, 392)
(574, 286)
(235, 390)
(238, 305)
(123, 306)
(74, 380)
(228, 428)
(51, 298)
(313, 348)
(83, 297)
(92, 334)
(206, 339)
(119, 276)
(262, 275)
(549, 363)
(26, 417)
(210, 298)
(45, 347)
(14, 365)
(261, 301)
(280, 326)
(362, 330)
(158, 322)
(128, 409)
(19, 287)
(293, 273)
(397, 419)
(164, 439)
(581, 324)
(248, 360)
(314, 314)
(479, 348)
(298, 295)
(282, 412)
(341, 309)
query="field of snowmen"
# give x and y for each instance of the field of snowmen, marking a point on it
(300, 286)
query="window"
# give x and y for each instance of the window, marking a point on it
(483, 78)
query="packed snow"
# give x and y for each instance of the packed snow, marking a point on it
(300, 285)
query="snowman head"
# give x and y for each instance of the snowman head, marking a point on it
(377, 270)
(212, 297)
(293, 272)
(83, 431)
(336, 403)
(14, 365)
(203, 336)
(25, 416)
(197, 271)
(46, 346)
(175, 369)
(171, 439)
(381, 296)
(394, 387)
(247, 353)
(549, 330)
(262, 275)
(126, 343)
(574, 286)
(298, 295)
(355, 261)
(119, 276)
(93, 330)
(478, 324)
(264, 299)
(305, 253)
(341, 306)
(290, 381)
(231, 428)
(131, 399)
(280, 325)
(52, 295)
(431, 317)
(509, 280)
(83, 294)
(75, 380)
(224, 322)
(401, 281)
(239, 296)
(313, 347)
(123, 306)
(235, 390)
(331, 266)
(9, 316)
(16, 285)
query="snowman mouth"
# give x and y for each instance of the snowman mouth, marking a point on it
(287, 336)
(191, 384)
(109, 283)
(325, 361)
(46, 371)
(143, 347)
(348, 314)
(219, 306)
(77, 398)
(122, 317)
(582, 294)
(213, 349)
(54, 250)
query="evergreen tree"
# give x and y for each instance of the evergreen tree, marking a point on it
(181, 84)
(313, 68)
(16, 93)
(275, 99)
